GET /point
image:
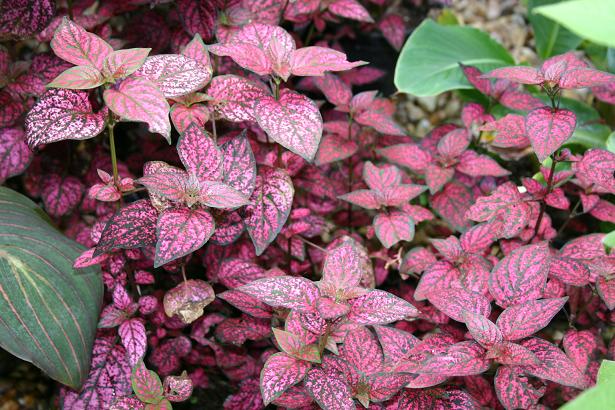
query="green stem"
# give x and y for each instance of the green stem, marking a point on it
(543, 204)
(276, 88)
(116, 177)
(309, 36)
(213, 127)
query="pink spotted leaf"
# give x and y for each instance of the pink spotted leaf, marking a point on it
(283, 291)
(315, 61)
(361, 349)
(182, 116)
(177, 388)
(548, 129)
(246, 303)
(234, 97)
(295, 347)
(582, 346)
(61, 195)
(279, 373)
(146, 384)
(379, 307)
(188, 299)
(20, 19)
(512, 354)
(343, 266)
(134, 226)
(482, 329)
(200, 154)
(81, 77)
(410, 156)
(350, 9)
(197, 51)
(15, 156)
(517, 74)
(198, 17)
(514, 390)
(336, 91)
(132, 334)
(328, 390)
(72, 43)
(235, 272)
(174, 74)
(510, 131)
(394, 30)
(525, 319)
(122, 63)
(460, 359)
(239, 165)
(597, 167)
(393, 227)
(396, 343)
(379, 116)
(454, 302)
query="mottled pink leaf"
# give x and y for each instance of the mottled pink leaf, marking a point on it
(246, 303)
(350, 9)
(19, 19)
(122, 63)
(183, 116)
(60, 115)
(582, 346)
(15, 156)
(188, 299)
(61, 195)
(512, 354)
(554, 364)
(133, 226)
(455, 301)
(378, 307)
(597, 167)
(525, 319)
(235, 272)
(283, 291)
(198, 17)
(239, 164)
(328, 390)
(475, 165)
(519, 100)
(336, 91)
(520, 276)
(396, 344)
(334, 148)
(606, 289)
(437, 176)
(394, 29)
(585, 77)
(450, 397)
(416, 260)
(169, 183)
(132, 334)
(75, 45)
(174, 74)
(293, 121)
(137, 99)
(410, 156)
(482, 329)
(437, 276)
(294, 346)
(128, 403)
(379, 115)
(197, 50)
(200, 154)
(234, 97)
(78, 78)
(383, 386)
(365, 198)
(269, 206)
(453, 143)
(547, 129)
(180, 231)
(569, 271)
(461, 359)
(452, 203)
(10, 109)
(361, 349)
(315, 61)
(379, 178)
(514, 390)
(177, 388)
(393, 227)
(343, 266)
(146, 384)
(517, 74)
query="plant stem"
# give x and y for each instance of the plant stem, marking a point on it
(312, 244)
(309, 36)
(543, 203)
(116, 177)
(571, 216)
(213, 128)
(276, 88)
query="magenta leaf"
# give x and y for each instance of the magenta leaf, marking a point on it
(247, 304)
(520, 276)
(336, 91)
(378, 307)
(134, 226)
(239, 164)
(329, 390)
(525, 319)
(383, 386)
(19, 19)
(597, 167)
(293, 121)
(234, 97)
(283, 291)
(235, 272)
(510, 131)
(128, 403)
(109, 378)
(518, 74)
(122, 63)
(61, 195)
(361, 349)
(188, 299)
(436, 177)
(146, 384)
(548, 129)
(294, 346)
(452, 204)
(554, 364)
(512, 354)
(450, 397)
(454, 302)
(393, 227)
(461, 359)
(132, 334)
(75, 45)
(15, 156)
(269, 206)
(396, 344)
(180, 231)
(174, 74)
(379, 115)
(198, 17)
(393, 28)
(216, 194)
(350, 9)
(482, 329)
(365, 198)
(10, 109)
(569, 271)
(473, 164)
(200, 154)
(182, 116)
(582, 347)
(197, 51)
(137, 99)
(80, 77)
(60, 115)
(585, 77)
(314, 61)
(410, 156)
(514, 390)
(380, 178)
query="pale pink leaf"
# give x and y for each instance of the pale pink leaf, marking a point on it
(15, 156)
(183, 116)
(482, 329)
(329, 390)
(188, 299)
(517, 74)
(410, 156)
(239, 165)
(378, 307)
(455, 301)
(216, 194)
(283, 291)
(548, 129)
(81, 77)
(197, 51)
(315, 61)
(174, 74)
(75, 45)
(393, 227)
(234, 97)
(122, 63)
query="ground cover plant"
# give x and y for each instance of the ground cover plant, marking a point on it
(209, 204)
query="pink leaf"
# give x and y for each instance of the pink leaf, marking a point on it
(476, 165)
(246, 303)
(336, 91)
(394, 227)
(452, 203)
(146, 384)
(60, 115)
(177, 388)
(365, 198)
(200, 154)
(128, 403)
(183, 116)
(482, 329)
(597, 167)
(20, 19)
(180, 231)
(351, 9)
(378, 307)
(396, 344)
(234, 97)
(78, 78)
(15, 156)
(188, 299)
(132, 334)
(438, 398)
(569, 271)
(294, 346)
(246, 55)
(239, 164)
(361, 349)
(10, 109)
(383, 386)
(514, 390)
(235, 272)
(453, 143)
(436, 177)
(343, 267)
(122, 63)
(379, 116)
(315, 61)
(606, 289)
(455, 301)
(174, 74)
(525, 319)
(518, 74)
(198, 17)
(61, 195)
(585, 77)
(461, 359)
(554, 365)
(293, 121)
(521, 275)
(269, 206)
(394, 30)
(582, 347)
(548, 129)
(216, 194)
(380, 178)
(477, 239)
(137, 99)
(512, 354)
(75, 45)
(334, 148)
(283, 291)
(410, 156)
(197, 51)
(475, 77)
(328, 390)
(133, 226)
(169, 183)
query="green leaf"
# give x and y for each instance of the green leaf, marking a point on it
(590, 19)
(551, 38)
(609, 242)
(606, 373)
(429, 62)
(146, 384)
(601, 396)
(48, 310)
(610, 142)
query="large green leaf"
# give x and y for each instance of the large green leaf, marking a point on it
(551, 38)
(601, 396)
(590, 19)
(48, 310)
(429, 62)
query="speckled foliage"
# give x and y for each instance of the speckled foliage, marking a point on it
(270, 236)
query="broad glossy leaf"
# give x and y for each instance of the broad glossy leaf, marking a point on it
(188, 299)
(328, 390)
(63, 114)
(428, 65)
(239, 164)
(520, 276)
(146, 384)
(525, 319)
(393, 227)
(514, 390)
(72, 43)
(49, 311)
(200, 154)
(15, 156)
(293, 121)
(23, 18)
(122, 63)
(180, 231)
(270, 206)
(454, 302)
(378, 307)
(175, 75)
(133, 226)
(81, 77)
(315, 61)
(283, 291)
(132, 334)
(137, 99)
(548, 129)
(234, 97)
